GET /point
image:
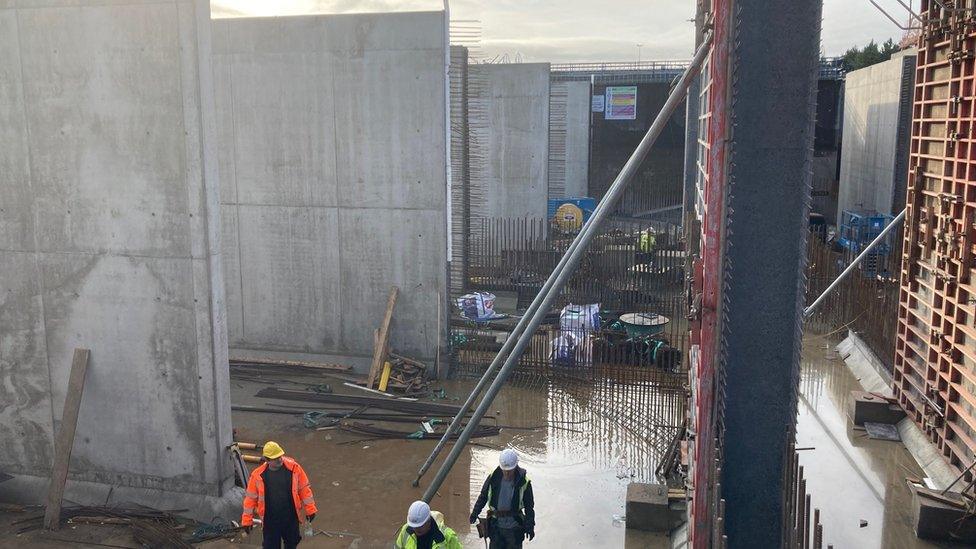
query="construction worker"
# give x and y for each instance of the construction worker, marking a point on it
(279, 491)
(425, 529)
(511, 506)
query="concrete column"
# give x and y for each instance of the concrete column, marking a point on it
(109, 239)
(774, 63)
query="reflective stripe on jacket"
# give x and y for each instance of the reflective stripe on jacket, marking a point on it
(406, 539)
(523, 501)
(301, 492)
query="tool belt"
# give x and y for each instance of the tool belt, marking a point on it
(502, 514)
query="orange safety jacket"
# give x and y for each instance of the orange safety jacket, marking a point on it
(301, 492)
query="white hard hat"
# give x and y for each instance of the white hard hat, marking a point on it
(508, 459)
(418, 515)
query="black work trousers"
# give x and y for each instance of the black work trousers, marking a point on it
(506, 538)
(276, 534)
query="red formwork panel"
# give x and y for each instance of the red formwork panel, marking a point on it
(935, 356)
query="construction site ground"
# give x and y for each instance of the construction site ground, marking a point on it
(579, 474)
(851, 478)
(364, 488)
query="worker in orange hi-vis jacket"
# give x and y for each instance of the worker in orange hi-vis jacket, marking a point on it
(278, 491)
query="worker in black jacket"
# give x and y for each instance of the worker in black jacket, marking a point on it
(511, 507)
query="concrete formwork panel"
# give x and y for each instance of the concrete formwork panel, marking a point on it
(109, 241)
(290, 277)
(331, 126)
(934, 374)
(873, 148)
(389, 121)
(284, 136)
(371, 265)
(516, 98)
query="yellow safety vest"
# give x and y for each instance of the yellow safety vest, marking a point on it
(408, 540)
(521, 494)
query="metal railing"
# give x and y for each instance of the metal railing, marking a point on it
(831, 68)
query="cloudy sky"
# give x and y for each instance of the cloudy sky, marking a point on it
(584, 30)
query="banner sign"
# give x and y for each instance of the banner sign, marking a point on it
(621, 103)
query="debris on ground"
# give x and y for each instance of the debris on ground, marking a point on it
(421, 434)
(408, 377)
(150, 527)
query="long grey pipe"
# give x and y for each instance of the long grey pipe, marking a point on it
(571, 259)
(857, 261)
(507, 346)
(502, 354)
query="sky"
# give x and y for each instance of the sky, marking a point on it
(561, 31)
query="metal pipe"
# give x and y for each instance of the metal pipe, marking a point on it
(892, 19)
(502, 353)
(894, 223)
(509, 343)
(571, 259)
(962, 474)
(909, 10)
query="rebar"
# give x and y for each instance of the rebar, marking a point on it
(570, 261)
(857, 261)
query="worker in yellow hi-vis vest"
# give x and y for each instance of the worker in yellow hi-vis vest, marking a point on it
(425, 528)
(511, 506)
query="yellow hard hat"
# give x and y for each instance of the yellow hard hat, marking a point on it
(272, 450)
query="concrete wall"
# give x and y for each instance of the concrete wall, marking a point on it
(577, 138)
(516, 99)
(569, 138)
(333, 163)
(109, 234)
(873, 147)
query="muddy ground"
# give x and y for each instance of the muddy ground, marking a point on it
(579, 471)
(580, 464)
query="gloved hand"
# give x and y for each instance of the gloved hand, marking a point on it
(311, 517)
(473, 518)
(530, 534)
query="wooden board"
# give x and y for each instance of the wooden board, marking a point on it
(65, 439)
(380, 345)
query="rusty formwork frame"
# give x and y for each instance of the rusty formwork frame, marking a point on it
(755, 179)
(935, 358)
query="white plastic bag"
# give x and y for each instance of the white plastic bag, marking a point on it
(477, 306)
(580, 319)
(562, 350)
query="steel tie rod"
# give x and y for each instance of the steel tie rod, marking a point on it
(840, 278)
(530, 322)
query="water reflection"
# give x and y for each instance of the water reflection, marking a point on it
(588, 449)
(849, 476)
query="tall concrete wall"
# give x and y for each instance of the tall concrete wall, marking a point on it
(516, 108)
(333, 163)
(569, 138)
(577, 138)
(877, 110)
(109, 238)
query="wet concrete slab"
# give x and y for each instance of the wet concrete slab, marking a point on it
(850, 477)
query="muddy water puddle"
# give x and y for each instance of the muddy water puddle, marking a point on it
(850, 477)
(580, 464)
